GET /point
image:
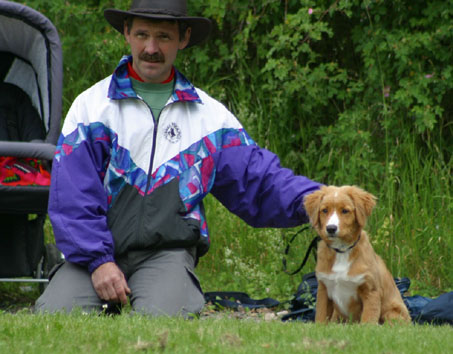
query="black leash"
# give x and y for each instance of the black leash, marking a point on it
(232, 299)
(312, 246)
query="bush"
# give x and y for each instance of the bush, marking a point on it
(344, 91)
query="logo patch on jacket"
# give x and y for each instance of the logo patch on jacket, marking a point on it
(172, 133)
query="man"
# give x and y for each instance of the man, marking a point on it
(138, 153)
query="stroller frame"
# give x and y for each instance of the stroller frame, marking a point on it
(37, 69)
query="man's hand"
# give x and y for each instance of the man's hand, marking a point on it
(110, 284)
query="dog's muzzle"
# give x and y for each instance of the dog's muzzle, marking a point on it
(332, 230)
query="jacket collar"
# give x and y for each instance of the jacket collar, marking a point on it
(121, 85)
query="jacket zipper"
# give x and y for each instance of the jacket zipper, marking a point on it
(150, 170)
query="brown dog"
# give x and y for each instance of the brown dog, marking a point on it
(354, 282)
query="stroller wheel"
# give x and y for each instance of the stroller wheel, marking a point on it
(52, 257)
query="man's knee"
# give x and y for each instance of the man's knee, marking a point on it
(69, 288)
(167, 286)
(187, 306)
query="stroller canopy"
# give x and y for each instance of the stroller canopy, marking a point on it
(32, 42)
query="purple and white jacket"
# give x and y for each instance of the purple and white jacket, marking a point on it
(124, 180)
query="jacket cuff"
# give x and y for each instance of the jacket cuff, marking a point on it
(100, 261)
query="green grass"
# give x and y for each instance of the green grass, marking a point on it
(25, 333)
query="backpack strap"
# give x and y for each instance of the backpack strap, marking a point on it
(236, 299)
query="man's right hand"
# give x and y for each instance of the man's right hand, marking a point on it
(110, 284)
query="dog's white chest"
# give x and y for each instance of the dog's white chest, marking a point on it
(341, 288)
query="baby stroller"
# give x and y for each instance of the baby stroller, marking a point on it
(31, 78)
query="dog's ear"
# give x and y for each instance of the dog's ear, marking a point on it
(311, 204)
(364, 203)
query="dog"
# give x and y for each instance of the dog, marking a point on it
(354, 282)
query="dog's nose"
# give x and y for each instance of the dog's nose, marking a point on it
(331, 229)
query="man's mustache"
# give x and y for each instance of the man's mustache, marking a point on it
(152, 58)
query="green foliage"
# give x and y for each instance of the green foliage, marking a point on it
(91, 47)
(348, 92)
(246, 259)
(344, 91)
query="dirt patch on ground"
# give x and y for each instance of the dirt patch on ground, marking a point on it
(21, 297)
(262, 314)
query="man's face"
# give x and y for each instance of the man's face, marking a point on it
(154, 46)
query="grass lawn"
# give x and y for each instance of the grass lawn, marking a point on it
(213, 332)
(23, 332)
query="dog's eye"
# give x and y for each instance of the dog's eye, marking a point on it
(344, 211)
(325, 210)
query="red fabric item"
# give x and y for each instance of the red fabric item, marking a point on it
(132, 73)
(16, 171)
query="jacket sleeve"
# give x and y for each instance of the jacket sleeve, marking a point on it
(78, 201)
(251, 183)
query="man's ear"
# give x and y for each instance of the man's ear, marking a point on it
(185, 41)
(311, 204)
(126, 31)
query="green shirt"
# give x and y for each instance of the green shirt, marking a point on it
(155, 95)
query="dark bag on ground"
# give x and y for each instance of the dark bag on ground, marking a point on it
(303, 304)
(235, 300)
(438, 310)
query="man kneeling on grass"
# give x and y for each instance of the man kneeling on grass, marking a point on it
(139, 151)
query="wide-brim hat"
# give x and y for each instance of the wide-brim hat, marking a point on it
(161, 10)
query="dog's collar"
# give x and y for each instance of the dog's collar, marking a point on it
(347, 249)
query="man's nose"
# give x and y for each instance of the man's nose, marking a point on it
(151, 46)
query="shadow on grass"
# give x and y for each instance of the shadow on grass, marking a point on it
(18, 296)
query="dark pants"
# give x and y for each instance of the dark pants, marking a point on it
(161, 282)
